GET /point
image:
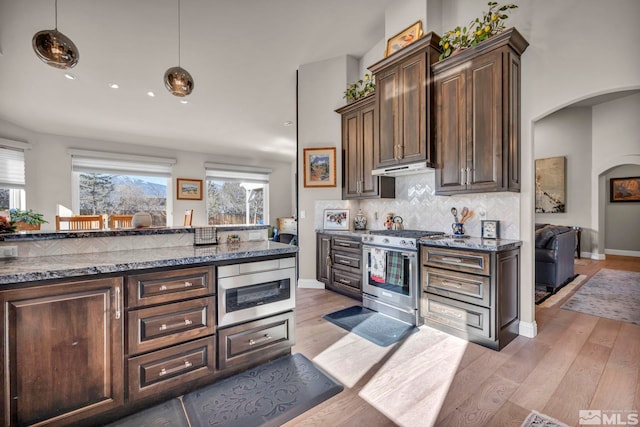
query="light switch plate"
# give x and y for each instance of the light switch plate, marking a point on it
(8, 251)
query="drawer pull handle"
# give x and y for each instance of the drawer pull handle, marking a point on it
(450, 259)
(451, 284)
(345, 261)
(186, 322)
(345, 281)
(188, 284)
(163, 287)
(345, 245)
(164, 371)
(118, 310)
(266, 337)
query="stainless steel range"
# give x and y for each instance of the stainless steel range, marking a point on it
(391, 282)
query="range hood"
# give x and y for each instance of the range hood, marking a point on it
(398, 170)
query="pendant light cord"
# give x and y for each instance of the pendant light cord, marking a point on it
(56, 15)
(178, 32)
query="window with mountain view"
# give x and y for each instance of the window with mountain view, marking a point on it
(101, 193)
(235, 202)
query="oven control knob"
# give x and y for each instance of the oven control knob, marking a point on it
(385, 240)
(403, 242)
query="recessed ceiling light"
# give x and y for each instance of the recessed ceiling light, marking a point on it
(151, 94)
(114, 85)
(184, 101)
(70, 76)
(288, 123)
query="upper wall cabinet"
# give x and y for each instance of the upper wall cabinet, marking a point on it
(478, 117)
(358, 130)
(405, 105)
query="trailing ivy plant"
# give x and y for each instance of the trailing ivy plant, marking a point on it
(360, 89)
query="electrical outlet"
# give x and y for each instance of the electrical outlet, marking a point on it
(8, 251)
(255, 236)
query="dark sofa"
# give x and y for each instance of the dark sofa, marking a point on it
(555, 246)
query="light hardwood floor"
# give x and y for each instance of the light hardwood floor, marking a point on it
(577, 361)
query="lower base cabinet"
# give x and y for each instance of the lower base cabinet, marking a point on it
(61, 352)
(339, 263)
(89, 351)
(472, 294)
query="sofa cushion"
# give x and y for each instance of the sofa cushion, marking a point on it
(545, 234)
(545, 255)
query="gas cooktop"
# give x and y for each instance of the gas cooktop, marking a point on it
(411, 234)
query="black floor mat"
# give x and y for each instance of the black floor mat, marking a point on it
(268, 395)
(169, 413)
(376, 327)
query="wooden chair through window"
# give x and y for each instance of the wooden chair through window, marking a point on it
(120, 221)
(79, 222)
(188, 217)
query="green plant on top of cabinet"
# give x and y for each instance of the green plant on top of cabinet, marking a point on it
(405, 105)
(358, 130)
(478, 117)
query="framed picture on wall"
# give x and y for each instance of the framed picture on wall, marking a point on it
(320, 167)
(624, 189)
(336, 219)
(189, 189)
(551, 185)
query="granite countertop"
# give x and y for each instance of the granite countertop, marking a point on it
(449, 241)
(28, 269)
(347, 233)
(146, 231)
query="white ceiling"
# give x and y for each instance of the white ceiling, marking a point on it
(243, 55)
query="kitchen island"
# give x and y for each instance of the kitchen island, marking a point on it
(92, 336)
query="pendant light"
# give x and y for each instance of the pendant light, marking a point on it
(54, 48)
(178, 80)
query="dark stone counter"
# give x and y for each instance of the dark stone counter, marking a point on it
(478, 243)
(30, 269)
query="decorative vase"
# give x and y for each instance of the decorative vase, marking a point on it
(360, 221)
(141, 219)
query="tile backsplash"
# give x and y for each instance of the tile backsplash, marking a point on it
(421, 209)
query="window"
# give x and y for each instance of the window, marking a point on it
(237, 194)
(12, 180)
(109, 183)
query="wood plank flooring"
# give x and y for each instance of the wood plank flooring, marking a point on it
(577, 361)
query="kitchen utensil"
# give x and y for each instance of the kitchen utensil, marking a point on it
(454, 212)
(464, 212)
(468, 215)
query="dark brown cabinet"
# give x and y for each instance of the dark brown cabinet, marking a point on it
(404, 121)
(339, 263)
(358, 130)
(472, 294)
(63, 353)
(478, 117)
(323, 258)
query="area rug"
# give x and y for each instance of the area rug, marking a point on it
(371, 325)
(268, 395)
(562, 293)
(613, 294)
(542, 294)
(536, 419)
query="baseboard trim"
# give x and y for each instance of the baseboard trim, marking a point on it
(589, 255)
(310, 284)
(528, 329)
(622, 252)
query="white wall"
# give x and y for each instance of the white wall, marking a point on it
(320, 89)
(622, 232)
(48, 173)
(568, 133)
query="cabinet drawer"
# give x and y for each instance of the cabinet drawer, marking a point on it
(460, 260)
(166, 286)
(343, 243)
(239, 344)
(164, 369)
(346, 260)
(346, 279)
(161, 326)
(459, 315)
(461, 286)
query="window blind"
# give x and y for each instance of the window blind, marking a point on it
(222, 172)
(120, 164)
(11, 168)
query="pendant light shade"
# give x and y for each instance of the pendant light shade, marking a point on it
(178, 80)
(54, 48)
